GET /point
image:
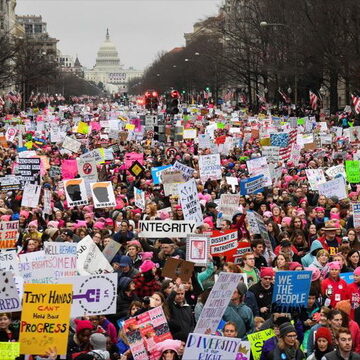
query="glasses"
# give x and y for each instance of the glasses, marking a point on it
(291, 336)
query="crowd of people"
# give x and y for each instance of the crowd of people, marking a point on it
(307, 231)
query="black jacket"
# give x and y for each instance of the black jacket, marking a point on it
(335, 355)
(278, 354)
(263, 297)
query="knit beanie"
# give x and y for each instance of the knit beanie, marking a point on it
(286, 328)
(323, 332)
(82, 325)
(98, 341)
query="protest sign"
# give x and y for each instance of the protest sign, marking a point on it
(217, 302)
(356, 214)
(336, 187)
(156, 173)
(229, 205)
(188, 197)
(233, 182)
(295, 154)
(75, 192)
(9, 231)
(210, 167)
(166, 229)
(87, 168)
(9, 183)
(90, 259)
(130, 158)
(29, 170)
(335, 171)
(175, 268)
(348, 277)
(45, 318)
(111, 250)
(10, 134)
(252, 185)
(190, 133)
(103, 194)
(31, 195)
(47, 202)
(352, 171)
(197, 249)
(71, 144)
(170, 180)
(9, 297)
(93, 295)
(69, 168)
(204, 141)
(315, 177)
(259, 166)
(257, 341)
(139, 196)
(186, 170)
(203, 347)
(97, 155)
(291, 290)
(257, 226)
(223, 243)
(9, 350)
(272, 153)
(9, 261)
(144, 331)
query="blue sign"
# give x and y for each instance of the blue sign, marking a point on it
(252, 185)
(348, 277)
(291, 289)
(156, 171)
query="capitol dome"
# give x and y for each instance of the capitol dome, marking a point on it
(107, 57)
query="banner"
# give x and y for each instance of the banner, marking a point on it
(75, 192)
(210, 168)
(188, 197)
(257, 341)
(217, 302)
(29, 170)
(9, 297)
(139, 196)
(259, 166)
(90, 260)
(165, 229)
(315, 177)
(209, 347)
(186, 170)
(45, 318)
(103, 194)
(352, 171)
(144, 331)
(252, 185)
(93, 295)
(356, 214)
(197, 249)
(336, 187)
(31, 195)
(291, 289)
(9, 231)
(223, 243)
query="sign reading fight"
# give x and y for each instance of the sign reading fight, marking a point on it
(164, 229)
(45, 318)
(291, 289)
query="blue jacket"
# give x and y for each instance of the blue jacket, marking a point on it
(308, 259)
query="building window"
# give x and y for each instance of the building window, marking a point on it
(38, 29)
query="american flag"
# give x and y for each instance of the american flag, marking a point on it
(356, 103)
(285, 151)
(313, 100)
(284, 96)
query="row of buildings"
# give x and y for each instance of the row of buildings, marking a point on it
(107, 71)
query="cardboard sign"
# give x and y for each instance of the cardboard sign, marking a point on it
(336, 187)
(144, 331)
(111, 249)
(202, 347)
(257, 341)
(259, 166)
(291, 289)
(252, 185)
(45, 318)
(9, 231)
(197, 249)
(175, 268)
(9, 297)
(210, 167)
(29, 170)
(75, 192)
(217, 302)
(188, 197)
(103, 194)
(93, 295)
(166, 229)
(9, 350)
(31, 195)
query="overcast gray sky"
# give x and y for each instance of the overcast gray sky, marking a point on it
(139, 28)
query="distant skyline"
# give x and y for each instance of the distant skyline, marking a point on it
(140, 29)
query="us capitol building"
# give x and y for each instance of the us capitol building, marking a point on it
(108, 69)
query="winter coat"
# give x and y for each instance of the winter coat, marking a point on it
(308, 259)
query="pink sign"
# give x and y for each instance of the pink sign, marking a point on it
(69, 169)
(130, 158)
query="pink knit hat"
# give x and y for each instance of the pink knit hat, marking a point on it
(357, 271)
(168, 344)
(33, 223)
(80, 223)
(100, 225)
(334, 265)
(53, 224)
(5, 217)
(146, 266)
(24, 213)
(146, 255)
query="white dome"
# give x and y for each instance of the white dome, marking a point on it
(107, 56)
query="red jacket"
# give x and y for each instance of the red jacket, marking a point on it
(353, 290)
(335, 290)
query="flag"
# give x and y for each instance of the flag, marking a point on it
(356, 103)
(284, 96)
(313, 100)
(285, 151)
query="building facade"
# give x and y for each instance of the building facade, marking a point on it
(109, 71)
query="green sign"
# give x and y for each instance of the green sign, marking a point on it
(257, 340)
(352, 168)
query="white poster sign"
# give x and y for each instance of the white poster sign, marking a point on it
(190, 202)
(165, 229)
(259, 166)
(197, 249)
(75, 192)
(335, 171)
(139, 196)
(31, 195)
(315, 177)
(210, 167)
(336, 187)
(9, 297)
(71, 144)
(103, 194)
(9, 261)
(186, 170)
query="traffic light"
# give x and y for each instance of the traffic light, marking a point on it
(207, 89)
(151, 100)
(172, 102)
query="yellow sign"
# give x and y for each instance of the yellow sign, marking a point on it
(130, 127)
(9, 350)
(265, 142)
(45, 318)
(83, 128)
(29, 145)
(257, 340)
